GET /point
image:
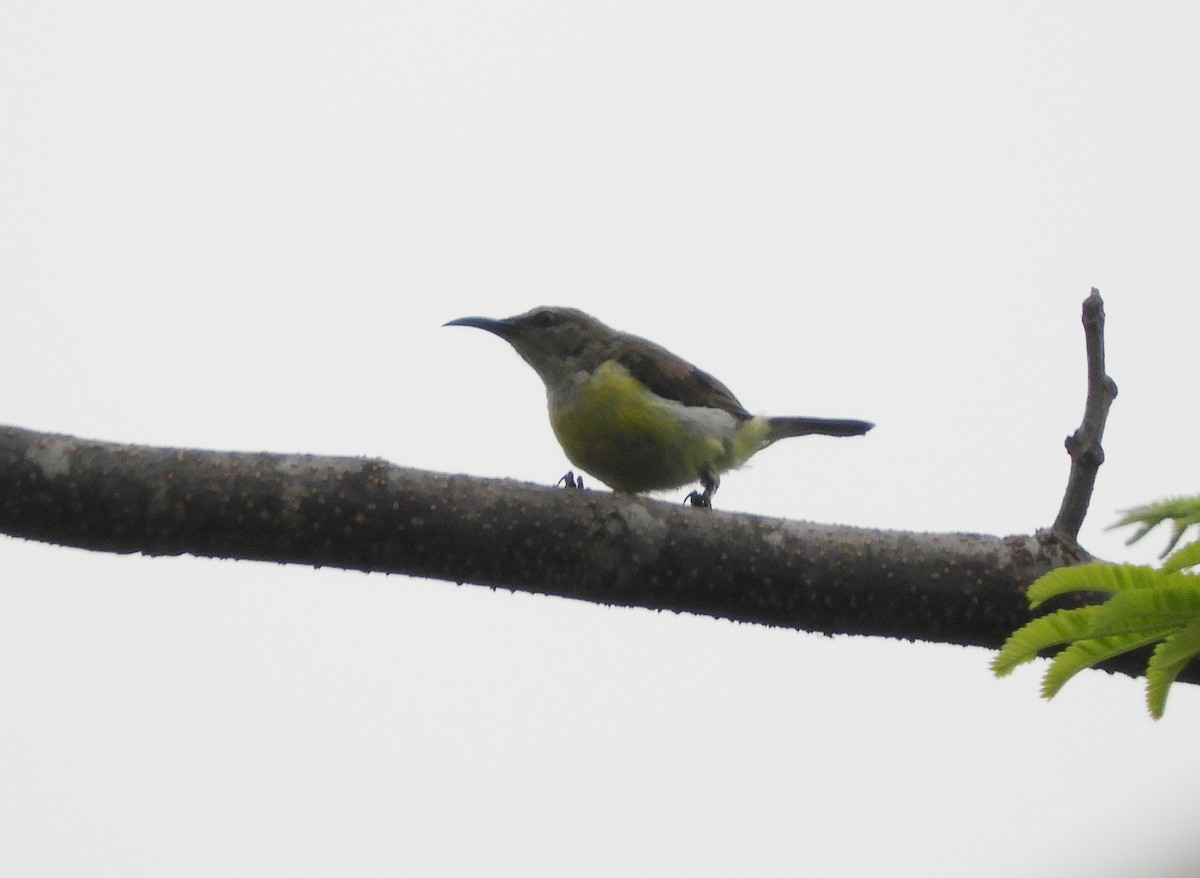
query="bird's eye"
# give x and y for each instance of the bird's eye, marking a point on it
(544, 319)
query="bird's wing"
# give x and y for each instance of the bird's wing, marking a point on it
(672, 377)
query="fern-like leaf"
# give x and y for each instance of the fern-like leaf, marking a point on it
(1187, 556)
(1169, 658)
(1053, 629)
(1174, 602)
(1097, 576)
(1085, 653)
(1183, 512)
(1144, 606)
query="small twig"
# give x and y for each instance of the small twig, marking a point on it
(1084, 444)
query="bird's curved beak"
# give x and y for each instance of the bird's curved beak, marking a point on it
(501, 328)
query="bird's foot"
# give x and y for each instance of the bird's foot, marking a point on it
(570, 480)
(703, 499)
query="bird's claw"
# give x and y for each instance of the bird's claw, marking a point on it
(570, 480)
(703, 499)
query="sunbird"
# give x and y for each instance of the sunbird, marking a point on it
(633, 414)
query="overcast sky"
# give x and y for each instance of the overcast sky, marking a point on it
(240, 225)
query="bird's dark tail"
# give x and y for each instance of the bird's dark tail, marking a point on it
(784, 428)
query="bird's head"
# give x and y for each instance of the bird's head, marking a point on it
(556, 342)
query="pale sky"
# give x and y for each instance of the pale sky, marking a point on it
(241, 226)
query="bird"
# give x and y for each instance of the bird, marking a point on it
(636, 416)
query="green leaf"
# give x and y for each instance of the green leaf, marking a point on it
(1174, 603)
(1097, 576)
(1187, 556)
(1086, 653)
(1024, 644)
(1169, 658)
(1181, 511)
(1144, 606)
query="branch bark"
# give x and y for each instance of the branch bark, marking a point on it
(608, 548)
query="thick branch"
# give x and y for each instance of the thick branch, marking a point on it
(608, 548)
(1084, 444)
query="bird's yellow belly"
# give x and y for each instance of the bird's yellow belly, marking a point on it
(633, 440)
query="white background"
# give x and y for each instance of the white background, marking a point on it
(240, 225)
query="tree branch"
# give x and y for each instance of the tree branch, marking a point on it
(1084, 444)
(608, 548)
